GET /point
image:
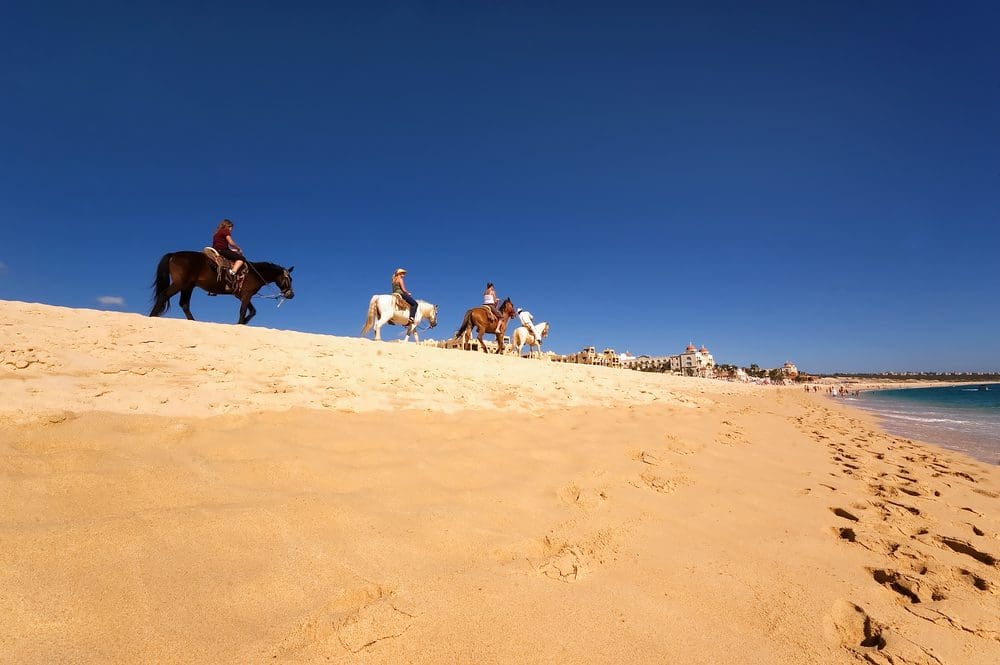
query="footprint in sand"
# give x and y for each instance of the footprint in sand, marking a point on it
(910, 589)
(849, 626)
(573, 495)
(658, 483)
(647, 457)
(840, 512)
(381, 620)
(967, 549)
(354, 619)
(566, 565)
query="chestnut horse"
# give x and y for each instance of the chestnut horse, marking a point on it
(480, 319)
(180, 272)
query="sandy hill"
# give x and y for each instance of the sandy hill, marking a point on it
(192, 492)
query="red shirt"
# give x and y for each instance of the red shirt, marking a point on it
(219, 239)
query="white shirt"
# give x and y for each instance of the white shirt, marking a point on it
(525, 317)
(489, 299)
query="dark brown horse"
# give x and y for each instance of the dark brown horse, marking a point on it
(180, 272)
(482, 320)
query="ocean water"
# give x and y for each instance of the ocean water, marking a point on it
(963, 418)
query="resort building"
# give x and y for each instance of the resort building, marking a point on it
(789, 369)
(694, 362)
(473, 345)
(588, 355)
(647, 363)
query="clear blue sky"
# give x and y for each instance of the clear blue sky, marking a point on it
(815, 182)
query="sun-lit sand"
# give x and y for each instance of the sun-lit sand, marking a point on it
(189, 492)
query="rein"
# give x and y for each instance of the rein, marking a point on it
(268, 296)
(265, 283)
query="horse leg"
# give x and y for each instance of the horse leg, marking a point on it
(186, 302)
(164, 298)
(251, 312)
(244, 306)
(482, 344)
(379, 322)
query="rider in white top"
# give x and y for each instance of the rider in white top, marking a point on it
(525, 317)
(490, 300)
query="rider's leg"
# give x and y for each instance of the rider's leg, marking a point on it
(235, 257)
(413, 307)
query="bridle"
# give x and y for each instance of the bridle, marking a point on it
(280, 297)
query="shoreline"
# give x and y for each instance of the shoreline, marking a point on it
(874, 386)
(961, 430)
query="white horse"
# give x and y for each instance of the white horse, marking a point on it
(382, 310)
(523, 336)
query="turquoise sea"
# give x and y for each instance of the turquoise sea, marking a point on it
(964, 418)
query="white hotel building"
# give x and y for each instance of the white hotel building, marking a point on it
(694, 362)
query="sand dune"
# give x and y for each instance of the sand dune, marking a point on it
(189, 492)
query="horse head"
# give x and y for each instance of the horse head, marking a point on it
(432, 316)
(507, 308)
(284, 282)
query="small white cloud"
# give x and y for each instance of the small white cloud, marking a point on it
(112, 301)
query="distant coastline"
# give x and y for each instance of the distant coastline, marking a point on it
(866, 383)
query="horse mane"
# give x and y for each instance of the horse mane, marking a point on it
(267, 265)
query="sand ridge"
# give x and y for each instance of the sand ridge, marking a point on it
(622, 518)
(116, 362)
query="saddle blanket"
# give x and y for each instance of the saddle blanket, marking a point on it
(222, 274)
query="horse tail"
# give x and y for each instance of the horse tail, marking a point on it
(466, 323)
(160, 285)
(372, 313)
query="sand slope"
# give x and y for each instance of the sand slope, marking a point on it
(181, 492)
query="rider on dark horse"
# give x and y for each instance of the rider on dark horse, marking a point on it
(227, 248)
(490, 301)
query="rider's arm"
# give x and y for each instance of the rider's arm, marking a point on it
(233, 245)
(402, 285)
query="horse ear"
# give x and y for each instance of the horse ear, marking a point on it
(291, 269)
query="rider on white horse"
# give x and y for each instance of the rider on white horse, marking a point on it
(525, 317)
(399, 288)
(522, 337)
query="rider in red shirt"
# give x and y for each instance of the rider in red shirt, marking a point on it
(224, 244)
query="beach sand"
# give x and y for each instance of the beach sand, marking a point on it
(193, 492)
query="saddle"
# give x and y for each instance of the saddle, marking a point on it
(494, 319)
(222, 265)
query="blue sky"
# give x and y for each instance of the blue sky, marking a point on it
(815, 182)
